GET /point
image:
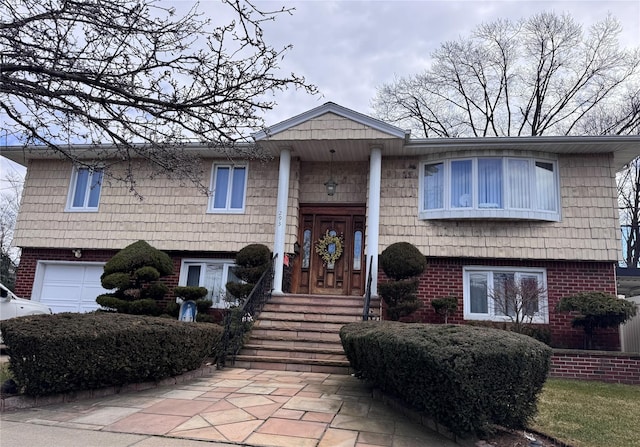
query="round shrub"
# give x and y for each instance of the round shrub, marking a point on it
(139, 254)
(402, 260)
(253, 255)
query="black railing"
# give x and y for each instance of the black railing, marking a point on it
(239, 320)
(367, 295)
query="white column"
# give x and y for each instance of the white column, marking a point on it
(373, 215)
(281, 219)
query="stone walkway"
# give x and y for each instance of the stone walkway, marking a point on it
(246, 407)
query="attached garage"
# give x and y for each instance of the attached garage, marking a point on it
(68, 287)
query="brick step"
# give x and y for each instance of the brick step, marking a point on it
(322, 300)
(296, 333)
(321, 326)
(310, 317)
(247, 358)
(301, 333)
(314, 309)
(294, 343)
(268, 364)
(268, 351)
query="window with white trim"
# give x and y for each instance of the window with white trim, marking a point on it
(85, 189)
(229, 188)
(490, 187)
(212, 274)
(505, 294)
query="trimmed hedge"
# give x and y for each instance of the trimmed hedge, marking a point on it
(466, 378)
(71, 352)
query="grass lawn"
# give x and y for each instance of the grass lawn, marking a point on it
(590, 414)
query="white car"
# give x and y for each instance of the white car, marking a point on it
(11, 306)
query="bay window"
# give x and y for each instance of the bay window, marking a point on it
(490, 187)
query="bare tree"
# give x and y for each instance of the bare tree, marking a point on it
(137, 76)
(9, 204)
(520, 300)
(629, 201)
(541, 75)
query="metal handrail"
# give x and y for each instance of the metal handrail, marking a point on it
(367, 294)
(239, 320)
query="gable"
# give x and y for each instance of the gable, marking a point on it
(331, 121)
(330, 126)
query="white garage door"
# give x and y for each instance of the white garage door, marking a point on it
(69, 287)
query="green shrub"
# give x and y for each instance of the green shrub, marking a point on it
(540, 332)
(400, 297)
(139, 254)
(596, 310)
(71, 352)
(445, 306)
(134, 273)
(251, 263)
(466, 378)
(253, 255)
(190, 293)
(402, 260)
(203, 306)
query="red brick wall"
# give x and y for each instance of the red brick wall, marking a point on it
(443, 277)
(602, 366)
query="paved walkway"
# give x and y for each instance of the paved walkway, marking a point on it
(227, 408)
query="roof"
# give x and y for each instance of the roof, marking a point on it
(355, 146)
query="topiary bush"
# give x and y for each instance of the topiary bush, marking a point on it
(445, 306)
(595, 310)
(466, 378)
(400, 262)
(400, 298)
(72, 352)
(134, 272)
(251, 263)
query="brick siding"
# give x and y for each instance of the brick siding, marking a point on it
(603, 366)
(443, 277)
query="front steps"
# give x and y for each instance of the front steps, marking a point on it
(301, 333)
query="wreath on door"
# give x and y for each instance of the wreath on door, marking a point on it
(329, 247)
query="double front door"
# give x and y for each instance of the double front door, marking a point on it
(331, 256)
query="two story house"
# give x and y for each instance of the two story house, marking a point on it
(481, 210)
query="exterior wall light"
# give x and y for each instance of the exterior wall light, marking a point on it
(331, 183)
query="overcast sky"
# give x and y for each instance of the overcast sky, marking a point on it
(348, 48)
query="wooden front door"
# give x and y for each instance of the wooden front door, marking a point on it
(346, 275)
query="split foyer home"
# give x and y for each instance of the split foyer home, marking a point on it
(481, 210)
